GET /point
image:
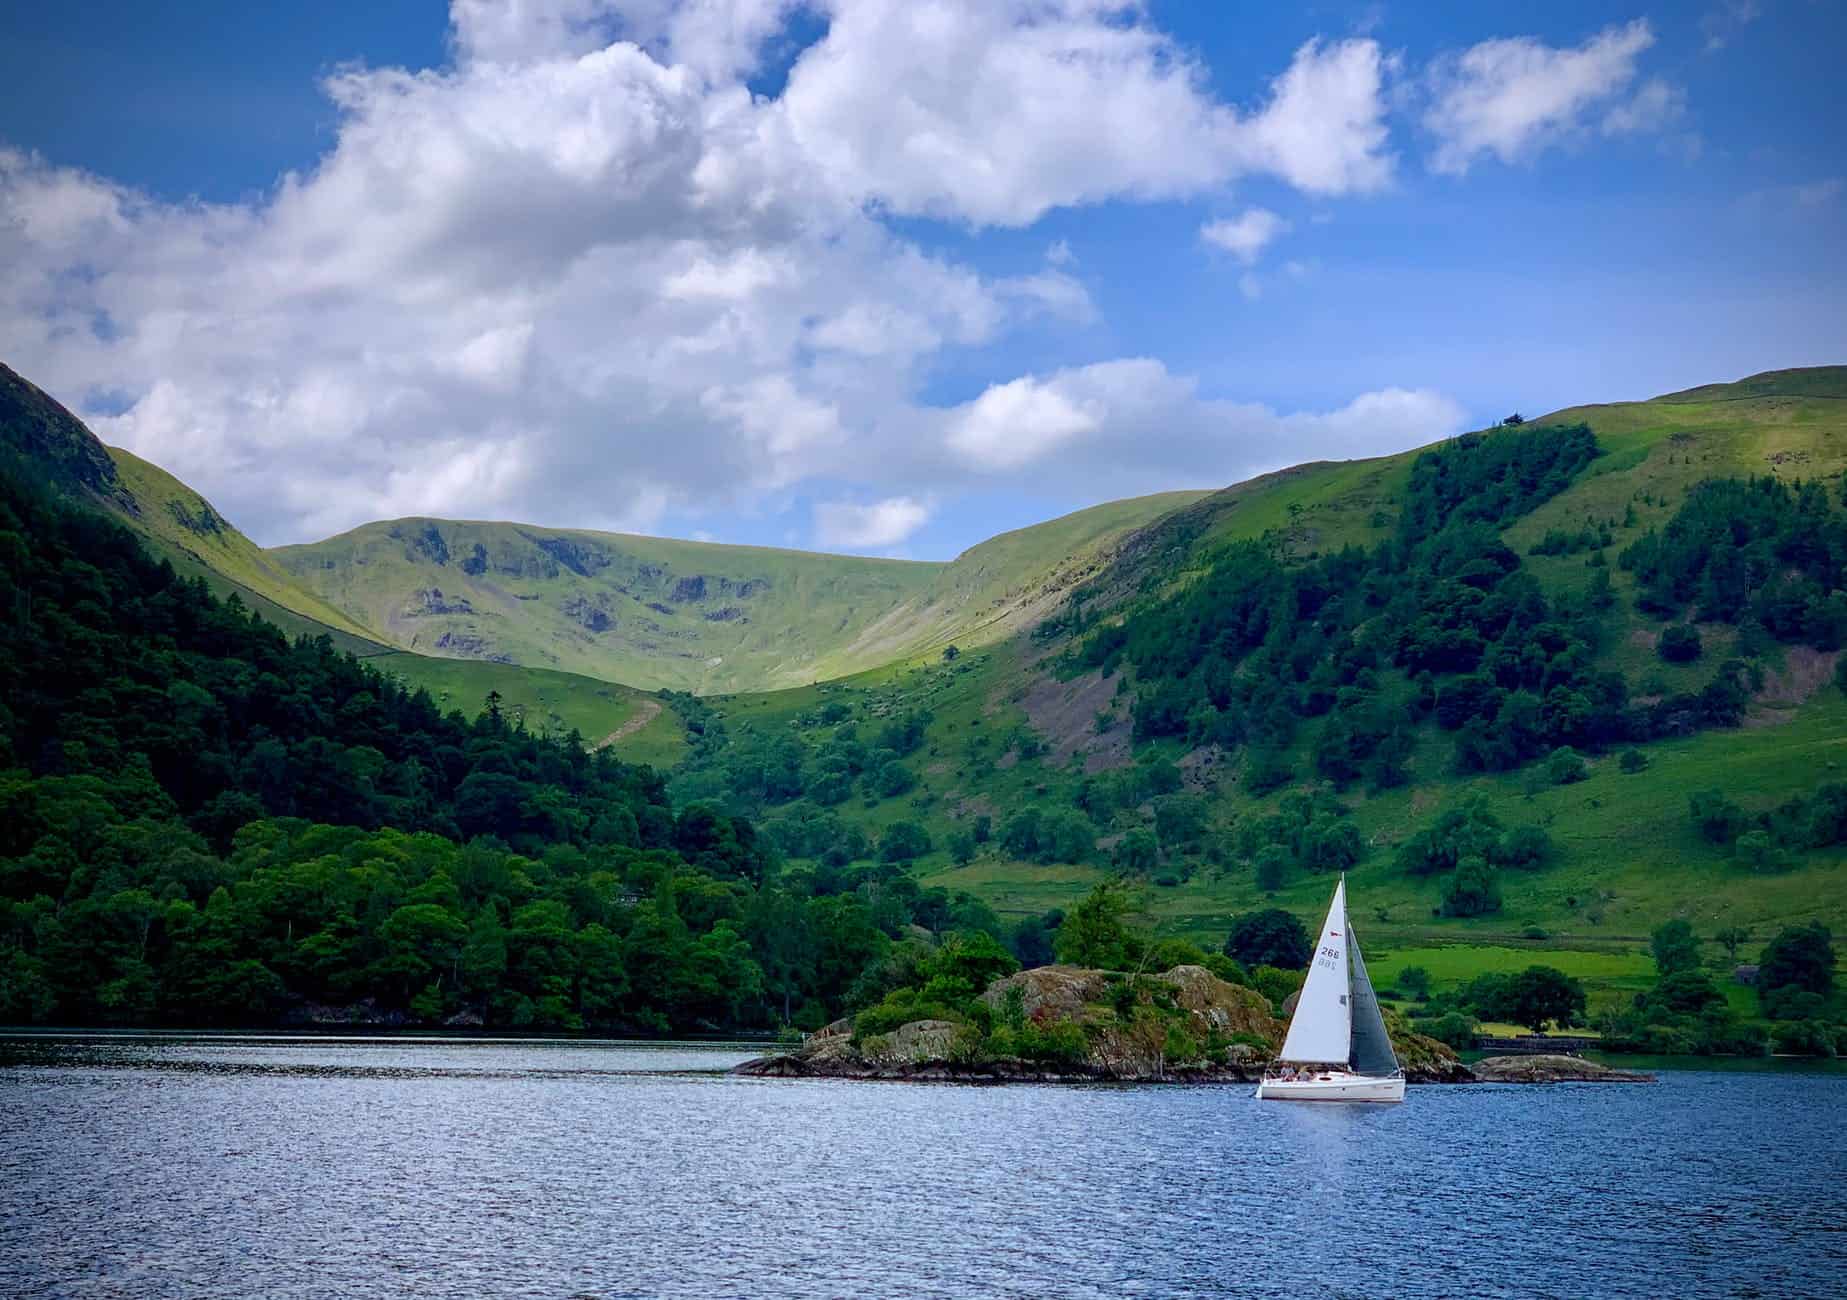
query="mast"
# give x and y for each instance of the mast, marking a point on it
(1321, 1032)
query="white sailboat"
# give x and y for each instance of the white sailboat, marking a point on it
(1337, 1048)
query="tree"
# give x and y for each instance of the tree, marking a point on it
(1415, 982)
(951, 654)
(1800, 957)
(1474, 889)
(1759, 851)
(1137, 853)
(1675, 946)
(1632, 761)
(1717, 818)
(1096, 932)
(1540, 995)
(1732, 938)
(1270, 937)
(961, 847)
(1272, 867)
(903, 841)
(1679, 643)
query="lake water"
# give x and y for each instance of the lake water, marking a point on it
(284, 1167)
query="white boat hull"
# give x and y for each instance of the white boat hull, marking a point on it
(1339, 1087)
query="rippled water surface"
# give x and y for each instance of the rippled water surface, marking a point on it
(237, 1166)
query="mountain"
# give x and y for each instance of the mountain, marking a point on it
(1537, 689)
(1591, 545)
(51, 447)
(695, 616)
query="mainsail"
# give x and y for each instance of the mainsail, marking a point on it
(1322, 1029)
(1372, 1046)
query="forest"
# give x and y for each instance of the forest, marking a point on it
(1442, 621)
(204, 823)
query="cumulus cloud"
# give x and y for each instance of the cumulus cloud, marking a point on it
(1513, 98)
(582, 274)
(996, 112)
(1245, 236)
(1136, 424)
(869, 527)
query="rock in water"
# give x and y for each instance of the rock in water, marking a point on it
(1552, 1069)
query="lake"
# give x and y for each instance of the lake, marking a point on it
(176, 1165)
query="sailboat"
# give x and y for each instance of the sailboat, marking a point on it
(1337, 1048)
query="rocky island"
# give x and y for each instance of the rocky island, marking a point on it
(1069, 1024)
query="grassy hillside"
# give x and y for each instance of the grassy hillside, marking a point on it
(694, 616)
(181, 525)
(1626, 855)
(49, 445)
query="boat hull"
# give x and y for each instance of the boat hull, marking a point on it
(1343, 1087)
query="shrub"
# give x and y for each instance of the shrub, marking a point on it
(1802, 1038)
(1679, 644)
(1276, 985)
(1454, 1028)
(1632, 761)
(1226, 969)
(1565, 766)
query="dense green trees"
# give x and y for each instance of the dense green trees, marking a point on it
(1270, 937)
(1755, 551)
(1769, 841)
(1261, 644)
(201, 822)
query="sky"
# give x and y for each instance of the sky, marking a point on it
(888, 276)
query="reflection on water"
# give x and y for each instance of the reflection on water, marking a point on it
(278, 1166)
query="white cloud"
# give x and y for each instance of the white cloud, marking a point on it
(1726, 20)
(583, 275)
(1133, 424)
(1324, 128)
(1015, 423)
(1246, 236)
(1514, 97)
(994, 112)
(869, 527)
(1655, 104)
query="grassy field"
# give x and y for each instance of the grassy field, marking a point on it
(654, 612)
(550, 702)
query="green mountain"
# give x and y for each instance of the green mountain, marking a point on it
(1329, 729)
(695, 616)
(50, 446)
(1536, 689)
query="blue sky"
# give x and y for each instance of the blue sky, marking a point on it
(954, 268)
